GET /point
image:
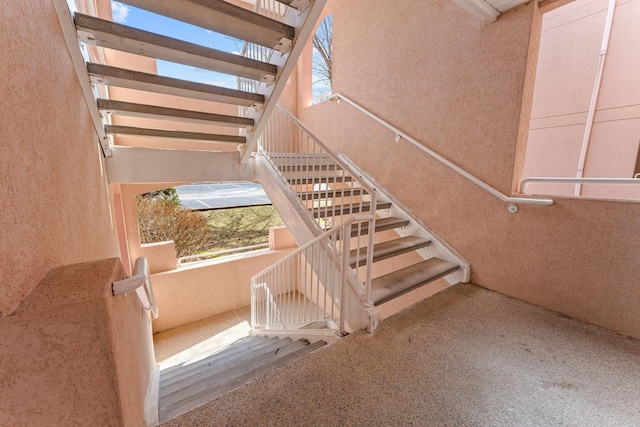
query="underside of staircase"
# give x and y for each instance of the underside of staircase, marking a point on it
(273, 35)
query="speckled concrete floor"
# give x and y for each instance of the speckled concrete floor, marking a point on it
(465, 357)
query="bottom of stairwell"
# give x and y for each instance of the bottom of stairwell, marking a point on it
(205, 359)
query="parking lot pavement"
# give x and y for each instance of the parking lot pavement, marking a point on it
(222, 195)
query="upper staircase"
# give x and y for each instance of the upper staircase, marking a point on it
(273, 34)
(323, 197)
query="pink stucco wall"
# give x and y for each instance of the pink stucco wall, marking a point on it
(457, 86)
(51, 168)
(569, 51)
(73, 354)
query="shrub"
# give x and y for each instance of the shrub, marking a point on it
(160, 220)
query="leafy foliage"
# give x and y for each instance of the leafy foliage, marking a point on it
(160, 220)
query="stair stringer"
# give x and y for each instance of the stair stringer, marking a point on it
(293, 214)
(304, 229)
(438, 248)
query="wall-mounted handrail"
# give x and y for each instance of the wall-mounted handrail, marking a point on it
(513, 201)
(565, 180)
(141, 277)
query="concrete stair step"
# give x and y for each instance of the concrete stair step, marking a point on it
(130, 109)
(388, 249)
(211, 387)
(191, 377)
(329, 211)
(173, 374)
(399, 282)
(226, 18)
(104, 74)
(128, 39)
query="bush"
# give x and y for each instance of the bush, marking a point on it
(160, 220)
(237, 227)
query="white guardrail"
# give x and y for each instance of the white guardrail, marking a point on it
(512, 201)
(318, 179)
(141, 277)
(564, 180)
(308, 285)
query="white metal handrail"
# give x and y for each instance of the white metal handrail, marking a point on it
(141, 277)
(308, 284)
(298, 156)
(222, 252)
(565, 180)
(513, 201)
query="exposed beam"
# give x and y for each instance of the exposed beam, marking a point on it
(135, 165)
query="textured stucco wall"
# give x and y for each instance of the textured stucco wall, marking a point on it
(440, 76)
(72, 354)
(200, 290)
(55, 198)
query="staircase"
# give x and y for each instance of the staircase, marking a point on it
(270, 33)
(206, 377)
(323, 198)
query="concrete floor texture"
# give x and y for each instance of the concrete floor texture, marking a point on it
(464, 357)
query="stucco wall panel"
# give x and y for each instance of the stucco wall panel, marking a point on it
(50, 162)
(197, 291)
(72, 354)
(438, 74)
(576, 256)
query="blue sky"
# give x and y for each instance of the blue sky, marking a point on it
(138, 18)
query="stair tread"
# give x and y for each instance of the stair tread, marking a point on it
(389, 286)
(239, 375)
(193, 377)
(128, 39)
(221, 17)
(168, 376)
(334, 210)
(188, 116)
(382, 224)
(172, 134)
(388, 249)
(105, 74)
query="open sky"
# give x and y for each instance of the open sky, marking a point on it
(138, 18)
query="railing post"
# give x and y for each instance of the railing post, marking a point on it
(346, 242)
(370, 242)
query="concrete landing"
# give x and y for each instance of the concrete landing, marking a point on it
(466, 356)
